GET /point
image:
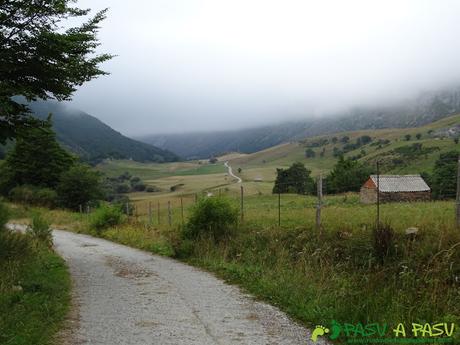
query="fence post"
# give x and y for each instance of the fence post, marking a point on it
(81, 209)
(319, 191)
(88, 209)
(169, 213)
(279, 208)
(458, 194)
(150, 213)
(182, 209)
(158, 213)
(378, 195)
(127, 209)
(242, 204)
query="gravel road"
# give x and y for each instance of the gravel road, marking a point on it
(124, 296)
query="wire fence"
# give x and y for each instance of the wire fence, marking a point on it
(321, 211)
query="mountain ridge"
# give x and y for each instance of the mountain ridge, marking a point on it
(92, 139)
(427, 107)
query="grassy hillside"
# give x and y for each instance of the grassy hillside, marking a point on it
(387, 145)
(92, 139)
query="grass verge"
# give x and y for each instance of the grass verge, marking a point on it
(34, 295)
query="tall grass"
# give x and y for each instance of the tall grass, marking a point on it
(347, 273)
(34, 284)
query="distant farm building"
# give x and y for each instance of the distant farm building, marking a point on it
(258, 179)
(395, 188)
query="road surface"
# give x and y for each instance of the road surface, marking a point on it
(124, 296)
(230, 172)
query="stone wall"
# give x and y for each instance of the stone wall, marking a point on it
(369, 196)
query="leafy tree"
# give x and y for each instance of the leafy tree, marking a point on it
(36, 159)
(407, 137)
(345, 139)
(334, 140)
(456, 140)
(418, 136)
(40, 60)
(295, 179)
(213, 160)
(347, 176)
(240, 170)
(79, 185)
(363, 140)
(309, 153)
(444, 178)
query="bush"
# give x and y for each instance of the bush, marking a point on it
(138, 186)
(152, 189)
(33, 195)
(105, 217)
(214, 217)
(40, 229)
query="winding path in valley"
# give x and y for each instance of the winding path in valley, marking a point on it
(124, 296)
(230, 172)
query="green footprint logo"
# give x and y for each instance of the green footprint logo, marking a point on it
(336, 330)
(318, 331)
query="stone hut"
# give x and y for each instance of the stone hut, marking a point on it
(395, 188)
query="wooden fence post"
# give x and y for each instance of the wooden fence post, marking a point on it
(150, 213)
(319, 187)
(279, 208)
(169, 213)
(242, 204)
(182, 209)
(158, 213)
(458, 194)
(378, 195)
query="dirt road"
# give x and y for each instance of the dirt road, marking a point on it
(230, 172)
(125, 296)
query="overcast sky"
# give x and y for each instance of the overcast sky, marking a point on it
(186, 65)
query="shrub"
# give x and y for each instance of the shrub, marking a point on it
(13, 245)
(138, 186)
(33, 195)
(214, 217)
(105, 217)
(152, 189)
(46, 197)
(122, 188)
(40, 229)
